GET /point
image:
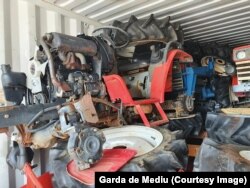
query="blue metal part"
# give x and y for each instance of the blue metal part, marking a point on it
(190, 77)
(207, 93)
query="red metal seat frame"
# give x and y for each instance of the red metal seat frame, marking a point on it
(117, 88)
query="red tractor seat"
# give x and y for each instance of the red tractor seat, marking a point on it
(118, 90)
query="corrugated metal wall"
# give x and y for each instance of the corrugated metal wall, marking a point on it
(22, 23)
(224, 21)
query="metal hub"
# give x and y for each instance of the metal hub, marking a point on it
(85, 147)
(92, 145)
(142, 139)
(189, 103)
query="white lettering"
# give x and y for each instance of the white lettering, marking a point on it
(145, 179)
(211, 181)
(133, 180)
(118, 179)
(235, 181)
(177, 179)
(159, 179)
(197, 179)
(102, 179)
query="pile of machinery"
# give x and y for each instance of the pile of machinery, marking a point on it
(229, 77)
(125, 74)
(227, 146)
(78, 86)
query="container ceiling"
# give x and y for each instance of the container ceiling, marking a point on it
(223, 21)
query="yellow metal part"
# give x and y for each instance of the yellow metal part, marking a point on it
(236, 111)
(219, 66)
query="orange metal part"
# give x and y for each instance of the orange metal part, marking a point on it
(43, 181)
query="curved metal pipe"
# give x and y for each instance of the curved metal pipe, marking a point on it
(53, 77)
(168, 47)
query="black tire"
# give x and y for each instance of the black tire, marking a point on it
(222, 95)
(220, 157)
(191, 126)
(59, 158)
(169, 156)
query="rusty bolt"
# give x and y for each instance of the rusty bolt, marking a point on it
(78, 150)
(82, 134)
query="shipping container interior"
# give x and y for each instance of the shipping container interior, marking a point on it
(23, 22)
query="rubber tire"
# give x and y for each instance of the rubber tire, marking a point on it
(170, 156)
(220, 157)
(187, 126)
(59, 158)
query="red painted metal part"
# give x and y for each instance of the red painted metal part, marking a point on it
(161, 83)
(43, 181)
(117, 89)
(239, 48)
(112, 160)
(234, 80)
(168, 87)
(174, 54)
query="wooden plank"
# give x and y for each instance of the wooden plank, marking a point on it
(194, 143)
(2, 98)
(236, 111)
(193, 150)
